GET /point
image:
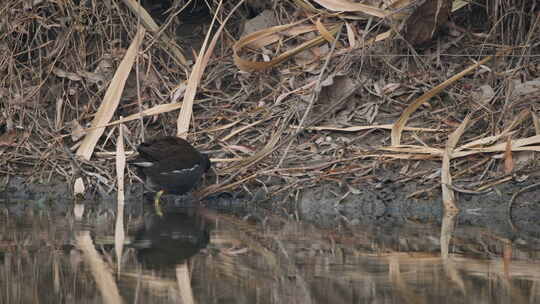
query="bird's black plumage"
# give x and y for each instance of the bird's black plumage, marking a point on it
(171, 164)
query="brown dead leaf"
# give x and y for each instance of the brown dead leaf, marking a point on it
(508, 160)
(268, 36)
(422, 25)
(324, 31)
(351, 35)
(264, 20)
(77, 131)
(349, 6)
(9, 138)
(527, 88)
(483, 95)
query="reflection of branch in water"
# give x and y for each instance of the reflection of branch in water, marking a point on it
(183, 280)
(303, 293)
(102, 274)
(447, 228)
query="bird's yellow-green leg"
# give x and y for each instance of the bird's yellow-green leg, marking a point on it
(156, 203)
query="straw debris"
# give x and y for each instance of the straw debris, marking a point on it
(327, 92)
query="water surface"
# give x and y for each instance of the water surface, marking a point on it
(197, 255)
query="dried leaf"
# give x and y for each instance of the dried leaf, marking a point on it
(64, 74)
(242, 149)
(111, 99)
(527, 88)
(362, 128)
(508, 160)
(9, 138)
(249, 65)
(536, 123)
(400, 123)
(426, 20)
(348, 6)
(264, 20)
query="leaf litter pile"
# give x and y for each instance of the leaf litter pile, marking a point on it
(283, 95)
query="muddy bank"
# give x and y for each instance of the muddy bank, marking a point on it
(385, 205)
(388, 206)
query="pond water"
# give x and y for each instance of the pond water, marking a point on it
(198, 255)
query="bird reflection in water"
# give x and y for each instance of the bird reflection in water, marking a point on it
(171, 239)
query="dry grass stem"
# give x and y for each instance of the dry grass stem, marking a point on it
(119, 232)
(111, 98)
(304, 96)
(152, 27)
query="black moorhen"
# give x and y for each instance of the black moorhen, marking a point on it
(170, 164)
